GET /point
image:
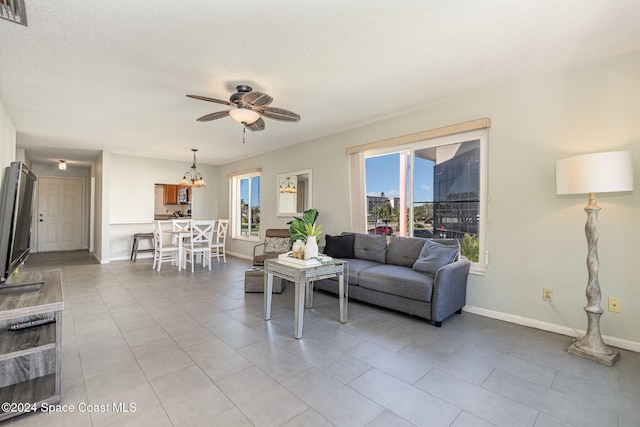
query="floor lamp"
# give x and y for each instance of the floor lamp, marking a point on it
(594, 173)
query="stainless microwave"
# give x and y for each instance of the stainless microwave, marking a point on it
(183, 195)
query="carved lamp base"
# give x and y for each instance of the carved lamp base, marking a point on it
(606, 358)
(591, 346)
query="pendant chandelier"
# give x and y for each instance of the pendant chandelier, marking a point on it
(192, 178)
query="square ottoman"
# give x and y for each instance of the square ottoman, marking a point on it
(254, 281)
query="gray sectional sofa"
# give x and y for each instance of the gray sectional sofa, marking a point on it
(422, 277)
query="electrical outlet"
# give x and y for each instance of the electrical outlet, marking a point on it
(614, 305)
(547, 294)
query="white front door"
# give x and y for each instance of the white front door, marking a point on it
(59, 214)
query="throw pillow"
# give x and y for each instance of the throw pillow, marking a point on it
(277, 245)
(433, 256)
(339, 246)
(404, 251)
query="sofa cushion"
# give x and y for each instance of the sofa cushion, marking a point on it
(404, 251)
(370, 247)
(356, 266)
(277, 245)
(339, 246)
(396, 280)
(433, 256)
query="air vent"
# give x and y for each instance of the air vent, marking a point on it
(13, 10)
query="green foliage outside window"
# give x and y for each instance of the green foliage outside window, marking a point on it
(470, 247)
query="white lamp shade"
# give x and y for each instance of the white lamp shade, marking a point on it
(243, 115)
(595, 173)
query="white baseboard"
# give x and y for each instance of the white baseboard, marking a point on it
(243, 256)
(95, 255)
(551, 327)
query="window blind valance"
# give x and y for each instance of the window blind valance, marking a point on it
(423, 135)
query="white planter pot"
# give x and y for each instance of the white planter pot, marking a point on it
(311, 248)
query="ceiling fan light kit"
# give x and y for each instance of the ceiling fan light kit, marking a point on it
(249, 108)
(243, 115)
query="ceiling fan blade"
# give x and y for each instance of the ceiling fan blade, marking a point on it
(257, 99)
(204, 98)
(255, 126)
(279, 114)
(213, 116)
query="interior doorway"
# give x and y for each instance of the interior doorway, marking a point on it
(59, 214)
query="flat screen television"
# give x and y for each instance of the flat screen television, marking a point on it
(17, 200)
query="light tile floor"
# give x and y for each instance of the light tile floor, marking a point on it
(193, 349)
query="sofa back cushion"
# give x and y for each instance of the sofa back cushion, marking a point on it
(435, 255)
(339, 246)
(404, 251)
(370, 247)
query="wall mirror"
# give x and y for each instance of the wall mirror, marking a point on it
(294, 193)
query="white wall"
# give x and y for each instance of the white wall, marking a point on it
(101, 227)
(7, 138)
(535, 238)
(132, 196)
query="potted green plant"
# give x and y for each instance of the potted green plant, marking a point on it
(308, 230)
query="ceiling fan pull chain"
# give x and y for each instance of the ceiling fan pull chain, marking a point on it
(244, 130)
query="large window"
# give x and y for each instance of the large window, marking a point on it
(433, 188)
(245, 205)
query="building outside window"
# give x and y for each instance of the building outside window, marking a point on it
(431, 189)
(456, 198)
(245, 205)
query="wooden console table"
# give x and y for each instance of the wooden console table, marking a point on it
(31, 358)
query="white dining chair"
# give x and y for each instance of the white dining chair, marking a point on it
(199, 245)
(218, 247)
(164, 248)
(180, 225)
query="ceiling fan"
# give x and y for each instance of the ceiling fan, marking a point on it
(250, 108)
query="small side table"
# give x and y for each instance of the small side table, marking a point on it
(303, 278)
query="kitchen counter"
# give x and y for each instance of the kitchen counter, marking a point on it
(163, 217)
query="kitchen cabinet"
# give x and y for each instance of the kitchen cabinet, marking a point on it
(171, 194)
(31, 358)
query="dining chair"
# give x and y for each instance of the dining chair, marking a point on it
(218, 247)
(199, 245)
(164, 249)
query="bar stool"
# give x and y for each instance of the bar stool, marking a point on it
(136, 239)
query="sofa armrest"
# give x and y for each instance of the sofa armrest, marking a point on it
(449, 290)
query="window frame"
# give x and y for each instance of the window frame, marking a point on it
(477, 134)
(235, 200)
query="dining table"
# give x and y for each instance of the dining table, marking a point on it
(180, 236)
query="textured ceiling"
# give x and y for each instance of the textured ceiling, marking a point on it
(114, 74)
